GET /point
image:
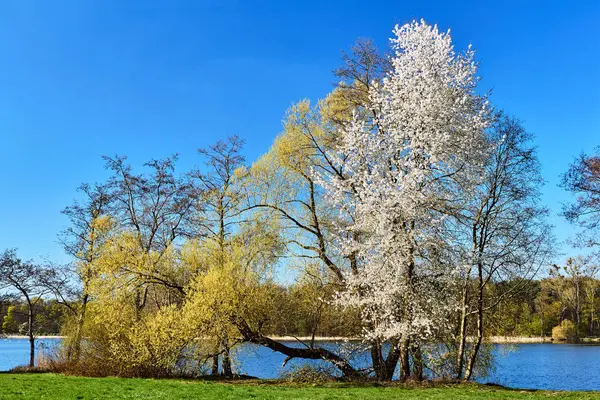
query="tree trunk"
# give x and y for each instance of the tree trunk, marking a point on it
(418, 362)
(405, 359)
(311, 353)
(462, 338)
(543, 334)
(384, 367)
(30, 334)
(226, 363)
(214, 371)
(480, 304)
(31, 350)
(577, 308)
(75, 354)
(592, 314)
(407, 312)
(377, 360)
(215, 365)
(390, 362)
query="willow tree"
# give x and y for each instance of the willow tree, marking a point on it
(234, 290)
(283, 188)
(125, 237)
(283, 182)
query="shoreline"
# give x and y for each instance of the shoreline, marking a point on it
(517, 339)
(35, 337)
(491, 339)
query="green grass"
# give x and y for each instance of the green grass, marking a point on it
(52, 386)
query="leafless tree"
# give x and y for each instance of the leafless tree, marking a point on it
(82, 240)
(155, 206)
(218, 210)
(583, 180)
(26, 280)
(506, 233)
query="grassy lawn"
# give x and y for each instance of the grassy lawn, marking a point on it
(51, 386)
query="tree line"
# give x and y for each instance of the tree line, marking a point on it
(408, 207)
(570, 293)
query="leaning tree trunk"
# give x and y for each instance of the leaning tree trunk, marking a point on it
(310, 353)
(390, 362)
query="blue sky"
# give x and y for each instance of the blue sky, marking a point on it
(82, 79)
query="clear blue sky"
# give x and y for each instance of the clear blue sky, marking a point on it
(82, 79)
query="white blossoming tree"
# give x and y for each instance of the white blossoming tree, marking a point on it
(409, 169)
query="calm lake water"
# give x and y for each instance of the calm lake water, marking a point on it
(527, 366)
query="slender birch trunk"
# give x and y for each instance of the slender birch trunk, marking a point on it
(479, 339)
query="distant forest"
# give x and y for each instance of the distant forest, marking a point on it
(571, 293)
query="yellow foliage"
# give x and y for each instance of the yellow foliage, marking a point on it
(137, 324)
(565, 331)
(336, 107)
(228, 292)
(119, 343)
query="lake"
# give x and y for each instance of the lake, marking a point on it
(526, 366)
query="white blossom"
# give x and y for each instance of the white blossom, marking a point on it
(409, 166)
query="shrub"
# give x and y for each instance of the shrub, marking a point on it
(117, 343)
(307, 373)
(566, 331)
